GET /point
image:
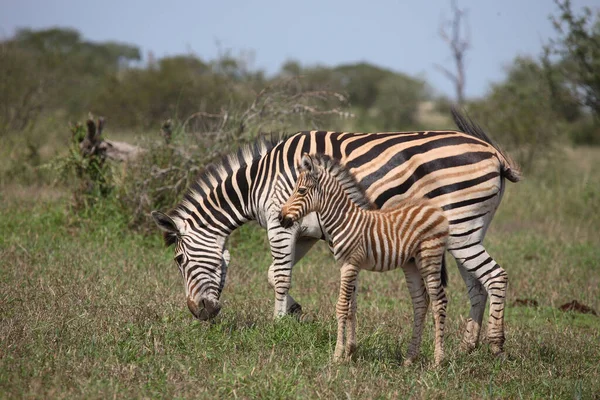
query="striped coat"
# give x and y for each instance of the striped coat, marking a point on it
(462, 172)
(413, 235)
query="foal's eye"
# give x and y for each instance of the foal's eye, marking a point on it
(302, 190)
(179, 259)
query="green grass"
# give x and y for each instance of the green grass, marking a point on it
(90, 310)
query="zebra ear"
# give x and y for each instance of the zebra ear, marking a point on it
(307, 163)
(167, 225)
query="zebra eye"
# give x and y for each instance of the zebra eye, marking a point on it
(179, 259)
(302, 190)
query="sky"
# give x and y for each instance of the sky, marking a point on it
(399, 35)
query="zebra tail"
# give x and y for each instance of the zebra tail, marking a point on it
(509, 168)
(444, 277)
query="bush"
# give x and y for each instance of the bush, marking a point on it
(84, 167)
(159, 175)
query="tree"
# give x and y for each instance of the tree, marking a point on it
(578, 50)
(398, 102)
(23, 86)
(521, 113)
(459, 42)
(66, 70)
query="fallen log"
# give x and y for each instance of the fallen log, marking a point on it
(94, 145)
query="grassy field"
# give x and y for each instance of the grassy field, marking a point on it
(91, 310)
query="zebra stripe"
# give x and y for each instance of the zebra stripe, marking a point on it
(461, 172)
(412, 235)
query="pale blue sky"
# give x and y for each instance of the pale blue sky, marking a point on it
(401, 35)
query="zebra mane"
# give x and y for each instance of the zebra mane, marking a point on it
(346, 178)
(215, 173)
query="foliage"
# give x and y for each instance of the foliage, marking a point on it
(382, 99)
(398, 102)
(85, 168)
(60, 70)
(173, 88)
(539, 104)
(159, 177)
(519, 111)
(56, 73)
(22, 85)
(578, 49)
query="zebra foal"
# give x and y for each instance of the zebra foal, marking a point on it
(413, 234)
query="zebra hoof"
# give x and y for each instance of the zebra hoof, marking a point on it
(307, 317)
(296, 312)
(295, 309)
(467, 347)
(497, 349)
(498, 352)
(408, 362)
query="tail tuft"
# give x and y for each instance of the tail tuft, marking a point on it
(512, 172)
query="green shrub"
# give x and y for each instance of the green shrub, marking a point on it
(84, 167)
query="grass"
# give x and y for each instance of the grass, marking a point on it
(90, 310)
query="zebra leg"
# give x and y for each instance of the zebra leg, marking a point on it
(292, 307)
(283, 246)
(476, 261)
(420, 301)
(351, 332)
(349, 274)
(478, 298)
(437, 294)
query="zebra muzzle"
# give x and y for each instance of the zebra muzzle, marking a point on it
(204, 311)
(285, 221)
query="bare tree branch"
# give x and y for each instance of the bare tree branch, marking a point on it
(458, 39)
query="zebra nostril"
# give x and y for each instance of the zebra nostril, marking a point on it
(286, 222)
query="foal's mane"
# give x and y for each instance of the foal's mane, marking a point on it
(346, 179)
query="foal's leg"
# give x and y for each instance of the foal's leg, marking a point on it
(420, 301)
(349, 274)
(351, 331)
(436, 291)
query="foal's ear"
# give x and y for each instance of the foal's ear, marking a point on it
(307, 163)
(167, 225)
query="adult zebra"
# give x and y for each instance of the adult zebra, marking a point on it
(462, 172)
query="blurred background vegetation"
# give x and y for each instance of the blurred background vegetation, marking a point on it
(184, 111)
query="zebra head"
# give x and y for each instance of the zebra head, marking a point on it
(306, 195)
(202, 261)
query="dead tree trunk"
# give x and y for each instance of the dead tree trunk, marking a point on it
(458, 46)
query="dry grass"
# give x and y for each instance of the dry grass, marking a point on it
(88, 310)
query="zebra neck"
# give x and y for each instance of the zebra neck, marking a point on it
(269, 181)
(252, 186)
(335, 211)
(229, 204)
